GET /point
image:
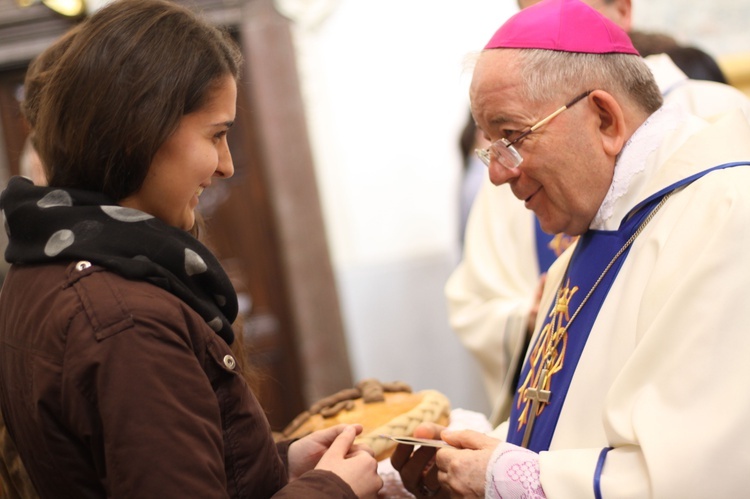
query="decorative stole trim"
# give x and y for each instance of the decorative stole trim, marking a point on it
(557, 348)
(549, 247)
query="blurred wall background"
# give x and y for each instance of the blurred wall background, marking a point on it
(719, 27)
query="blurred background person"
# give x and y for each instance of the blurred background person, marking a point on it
(473, 171)
(696, 63)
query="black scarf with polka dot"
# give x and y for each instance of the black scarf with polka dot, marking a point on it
(47, 224)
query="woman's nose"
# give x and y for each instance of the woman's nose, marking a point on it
(225, 168)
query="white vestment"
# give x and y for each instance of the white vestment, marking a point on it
(702, 98)
(661, 379)
(491, 291)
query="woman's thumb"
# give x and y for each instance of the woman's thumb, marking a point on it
(343, 442)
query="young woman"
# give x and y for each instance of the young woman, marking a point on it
(116, 374)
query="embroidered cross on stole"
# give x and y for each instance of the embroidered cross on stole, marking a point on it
(550, 365)
(557, 348)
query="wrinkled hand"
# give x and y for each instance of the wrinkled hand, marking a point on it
(462, 469)
(417, 469)
(354, 464)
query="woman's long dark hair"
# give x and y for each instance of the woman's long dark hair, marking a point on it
(104, 97)
(120, 88)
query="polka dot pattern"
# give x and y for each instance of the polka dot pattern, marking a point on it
(215, 324)
(55, 198)
(58, 242)
(194, 264)
(47, 224)
(126, 214)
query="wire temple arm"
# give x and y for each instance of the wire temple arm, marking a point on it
(560, 110)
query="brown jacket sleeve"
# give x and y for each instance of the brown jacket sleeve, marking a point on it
(133, 395)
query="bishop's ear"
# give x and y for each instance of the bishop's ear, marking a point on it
(611, 121)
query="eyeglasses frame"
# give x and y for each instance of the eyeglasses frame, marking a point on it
(486, 155)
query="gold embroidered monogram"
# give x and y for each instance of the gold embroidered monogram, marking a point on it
(546, 359)
(561, 242)
(548, 355)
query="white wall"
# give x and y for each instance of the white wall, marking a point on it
(719, 27)
(386, 90)
(387, 97)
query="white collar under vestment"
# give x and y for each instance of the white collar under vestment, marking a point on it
(633, 160)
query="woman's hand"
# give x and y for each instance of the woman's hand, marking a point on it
(333, 449)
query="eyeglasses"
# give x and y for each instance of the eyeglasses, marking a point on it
(503, 151)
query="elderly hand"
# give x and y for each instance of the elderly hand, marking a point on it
(417, 469)
(462, 468)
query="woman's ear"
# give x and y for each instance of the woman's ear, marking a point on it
(611, 121)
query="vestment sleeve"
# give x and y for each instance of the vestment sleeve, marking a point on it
(676, 413)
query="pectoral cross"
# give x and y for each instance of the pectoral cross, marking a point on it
(537, 395)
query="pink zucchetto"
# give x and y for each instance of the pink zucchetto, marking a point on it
(564, 25)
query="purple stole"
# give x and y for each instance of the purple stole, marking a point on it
(593, 253)
(549, 247)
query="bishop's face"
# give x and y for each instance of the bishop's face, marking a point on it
(565, 173)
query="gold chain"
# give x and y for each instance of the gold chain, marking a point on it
(561, 333)
(618, 254)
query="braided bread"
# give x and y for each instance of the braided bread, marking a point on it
(381, 409)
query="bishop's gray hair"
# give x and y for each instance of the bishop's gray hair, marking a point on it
(547, 74)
